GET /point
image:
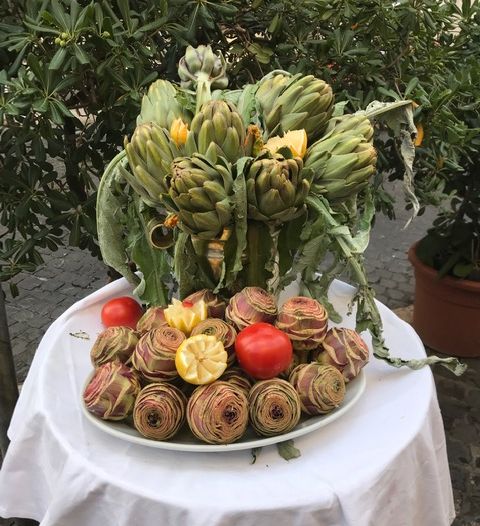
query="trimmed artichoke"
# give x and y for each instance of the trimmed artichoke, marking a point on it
(154, 355)
(201, 63)
(114, 343)
(276, 190)
(293, 103)
(343, 161)
(345, 350)
(159, 105)
(239, 378)
(251, 305)
(218, 413)
(222, 331)
(112, 391)
(274, 407)
(159, 411)
(215, 305)
(296, 360)
(217, 128)
(150, 154)
(202, 192)
(154, 318)
(321, 388)
(305, 321)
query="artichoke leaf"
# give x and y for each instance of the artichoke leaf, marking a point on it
(398, 116)
(110, 220)
(239, 201)
(153, 262)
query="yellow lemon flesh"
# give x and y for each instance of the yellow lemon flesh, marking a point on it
(201, 359)
(296, 140)
(184, 315)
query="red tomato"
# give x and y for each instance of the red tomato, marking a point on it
(263, 351)
(122, 311)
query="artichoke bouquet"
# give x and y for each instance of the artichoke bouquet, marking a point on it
(228, 189)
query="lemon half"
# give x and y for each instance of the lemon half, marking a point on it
(201, 359)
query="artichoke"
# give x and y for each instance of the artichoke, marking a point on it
(154, 318)
(251, 305)
(276, 190)
(154, 355)
(202, 192)
(274, 407)
(217, 128)
(296, 360)
(114, 343)
(222, 331)
(112, 391)
(357, 123)
(305, 321)
(150, 154)
(293, 103)
(345, 350)
(218, 413)
(239, 378)
(321, 388)
(343, 161)
(160, 106)
(159, 411)
(202, 64)
(215, 305)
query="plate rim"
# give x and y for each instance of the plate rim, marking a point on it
(106, 427)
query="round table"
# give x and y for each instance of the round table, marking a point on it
(383, 463)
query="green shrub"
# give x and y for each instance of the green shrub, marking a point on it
(73, 74)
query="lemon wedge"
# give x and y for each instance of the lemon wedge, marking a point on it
(296, 140)
(201, 359)
(185, 315)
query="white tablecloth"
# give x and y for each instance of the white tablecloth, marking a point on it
(383, 463)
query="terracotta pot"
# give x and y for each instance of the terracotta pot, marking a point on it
(446, 311)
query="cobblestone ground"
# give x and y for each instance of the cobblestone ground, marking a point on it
(70, 275)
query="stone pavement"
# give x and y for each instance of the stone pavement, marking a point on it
(70, 274)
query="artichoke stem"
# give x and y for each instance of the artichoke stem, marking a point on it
(255, 270)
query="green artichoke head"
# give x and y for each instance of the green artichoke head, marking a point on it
(202, 64)
(150, 153)
(358, 123)
(342, 162)
(217, 129)
(202, 190)
(276, 190)
(159, 105)
(294, 103)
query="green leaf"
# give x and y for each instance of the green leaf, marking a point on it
(152, 262)
(57, 59)
(80, 55)
(255, 454)
(109, 225)
(235, 265)
(287, 450)
(60, 15)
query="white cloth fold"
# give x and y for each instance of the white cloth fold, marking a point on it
(383, 463)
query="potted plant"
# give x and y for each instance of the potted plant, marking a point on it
(447, 259)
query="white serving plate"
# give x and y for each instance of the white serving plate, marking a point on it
(185, 441)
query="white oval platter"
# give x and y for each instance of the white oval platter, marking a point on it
(185, 441)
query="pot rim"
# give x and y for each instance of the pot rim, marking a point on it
(432, 274)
